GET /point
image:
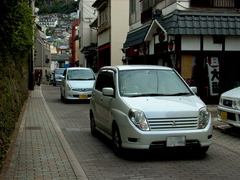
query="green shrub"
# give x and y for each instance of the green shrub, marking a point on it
(16, 41)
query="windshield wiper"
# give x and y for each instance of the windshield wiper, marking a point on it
(179, 94)
(144, 95)
(157, 94)
(83, 79)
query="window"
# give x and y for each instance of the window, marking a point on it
(104, 16)
(214, 3)
(146, 4)
(132, 6)
(105, 79)
(156, 82)
(80, 75)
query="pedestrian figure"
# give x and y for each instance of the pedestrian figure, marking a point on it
(39, 77)
(36, 74)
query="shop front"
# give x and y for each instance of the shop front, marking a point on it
(197, 46)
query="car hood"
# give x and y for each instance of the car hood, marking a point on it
(233, 93)
(166, 107)
(59, 75)
(81, 84)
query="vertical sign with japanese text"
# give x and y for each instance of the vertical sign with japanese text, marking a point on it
(213, 75)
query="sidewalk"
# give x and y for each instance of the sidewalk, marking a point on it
(41, 150)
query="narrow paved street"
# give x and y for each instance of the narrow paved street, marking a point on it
(98, 161)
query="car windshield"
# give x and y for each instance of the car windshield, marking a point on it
(80, 74)
(59, 71)
(145, 82)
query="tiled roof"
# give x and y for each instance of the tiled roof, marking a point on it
(136, 37)
(191, 23)
(201, 23)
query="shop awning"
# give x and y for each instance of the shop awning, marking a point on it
(188, 23)
(201, 23)
(136, 37)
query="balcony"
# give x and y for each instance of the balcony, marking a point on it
(215, 3)
(103, 27)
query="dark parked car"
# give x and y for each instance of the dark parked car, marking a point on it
(57, 76)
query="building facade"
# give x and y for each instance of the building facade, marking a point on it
(199, 38)
(87, 35)
(42, 55)
(50, 20)
(113, 25)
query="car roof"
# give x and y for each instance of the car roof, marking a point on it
(72, 68)
(135, 67)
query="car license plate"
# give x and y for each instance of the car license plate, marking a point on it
(83, 96)
(176, 141)
(223, 115)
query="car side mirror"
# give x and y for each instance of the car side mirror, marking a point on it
(108, 91)
(194, 89)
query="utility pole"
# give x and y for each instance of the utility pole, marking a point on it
(30, 59)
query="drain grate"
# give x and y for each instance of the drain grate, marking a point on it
(33, 128)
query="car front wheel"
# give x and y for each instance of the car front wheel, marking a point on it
(93, 125)
(117, 142)
(65, 100)
(61, 96)
(201, 150)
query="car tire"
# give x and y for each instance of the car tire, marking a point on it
(117, 142)
(61, 96)
(64, 98)
(202, 150)
(93, 125)
(231, 125)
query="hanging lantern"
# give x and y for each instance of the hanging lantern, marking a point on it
(171, 45)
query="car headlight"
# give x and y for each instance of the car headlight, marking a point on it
(220, 101)
(236, 104)
(204, 116)
(139, 119)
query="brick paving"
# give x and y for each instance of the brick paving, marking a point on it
(41, 152)
(38, 152)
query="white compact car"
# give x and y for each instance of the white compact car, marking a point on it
(147, 107)
(229, 107)
(77, 83)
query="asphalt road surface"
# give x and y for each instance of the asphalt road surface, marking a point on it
(98, 161)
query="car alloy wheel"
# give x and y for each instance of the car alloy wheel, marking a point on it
(117, 142)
